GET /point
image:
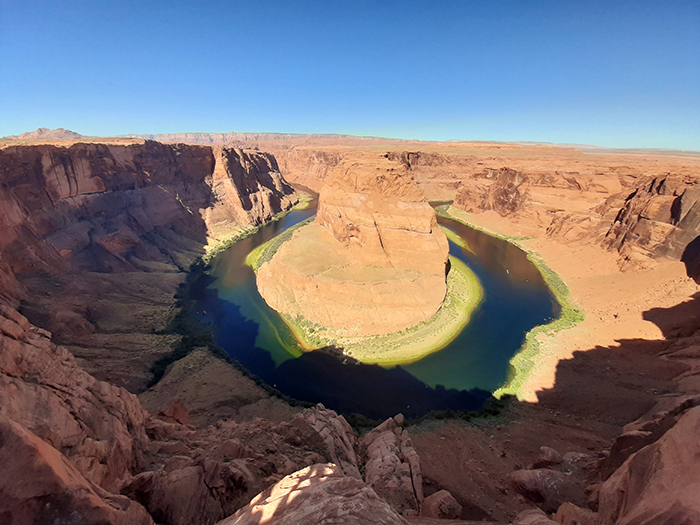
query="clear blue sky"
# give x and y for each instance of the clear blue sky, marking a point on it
(610, 73)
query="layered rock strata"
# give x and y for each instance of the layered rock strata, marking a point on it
(374, 262)
(95, 238)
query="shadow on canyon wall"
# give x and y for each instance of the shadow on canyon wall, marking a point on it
(322, 376)
(691, 259)
(97, 238)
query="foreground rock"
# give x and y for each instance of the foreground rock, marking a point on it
(374, 262)
(100, 427)
(39, 485)
(660, 483)
(441, 505)
(317, 494)
(392, 466)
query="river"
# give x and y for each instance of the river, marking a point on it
(461, 376)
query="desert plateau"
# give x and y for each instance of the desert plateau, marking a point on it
(146, 378)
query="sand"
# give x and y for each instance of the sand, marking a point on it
(613, 301)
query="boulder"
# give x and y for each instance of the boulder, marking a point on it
(176, 412)
(441, 505)
(392, 467)
(317, 494)
(542, 486)
(337, 434)
(570, 514)
(548, 457)
(533, 517)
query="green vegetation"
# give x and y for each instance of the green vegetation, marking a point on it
(524, 362)
(218, 246)
(265, 252)
(464, 294)
(452, 236)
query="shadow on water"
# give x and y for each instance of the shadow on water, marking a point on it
(459, 377)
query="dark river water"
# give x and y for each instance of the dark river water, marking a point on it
(461, 376)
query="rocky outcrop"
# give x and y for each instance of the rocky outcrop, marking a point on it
(533, 517)
(39, 485)
(75, 443)
(99, 427)
(441, 505)
(202, 475)
(317, 494)
(570, 514)
(355, 269)
(338, 437)
(546, 487)
(659, 218)
(392, 466)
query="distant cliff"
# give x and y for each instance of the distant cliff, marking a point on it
(106, 208)
(96, 238)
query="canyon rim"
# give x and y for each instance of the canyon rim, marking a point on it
(99, 234)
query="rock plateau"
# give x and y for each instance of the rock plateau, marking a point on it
(374, 261)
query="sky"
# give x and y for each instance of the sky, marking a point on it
(609, 73)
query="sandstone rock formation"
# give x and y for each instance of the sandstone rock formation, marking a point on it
(660, 483)
(374, 262)
(392, 467)
(96, 238)
(71, 444)
(661, 217)
(441, 505)
(100, 427)
(317, 494)
(533, 517)
(39, 485)
(92, 242)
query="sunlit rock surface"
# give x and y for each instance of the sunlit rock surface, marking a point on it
(374, 261)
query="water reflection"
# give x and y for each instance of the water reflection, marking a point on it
(459, 377)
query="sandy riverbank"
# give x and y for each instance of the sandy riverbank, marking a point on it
(464, 294)
(613, 301)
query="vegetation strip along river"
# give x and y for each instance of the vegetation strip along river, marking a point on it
(461, 376)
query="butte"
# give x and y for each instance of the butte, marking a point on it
(373, 262)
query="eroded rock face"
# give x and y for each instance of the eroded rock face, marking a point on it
(95, 238)
(660, 483)
(661, 217)
(392, 467)
(100, 427)
(317, 494)
(93, 206)
(39, 485)
(374, 262)
(504, 191)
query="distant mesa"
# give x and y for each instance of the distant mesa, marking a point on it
(373, 262)
(50, 134)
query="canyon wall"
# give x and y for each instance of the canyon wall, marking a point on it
(96, 238)
(641, 206)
